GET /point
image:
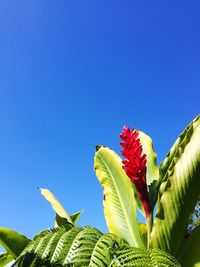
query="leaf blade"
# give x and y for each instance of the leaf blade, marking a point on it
(119, 202)
(5, 258)
(190, 249)
(13, 241)
(152, 171)
(61, 213)
(179, 190)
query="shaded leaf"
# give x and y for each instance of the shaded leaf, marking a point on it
(179, 190)
(190, 249)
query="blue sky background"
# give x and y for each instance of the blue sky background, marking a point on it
(72, 73)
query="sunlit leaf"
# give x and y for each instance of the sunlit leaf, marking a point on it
(119, 201)
(61, 213)
(179, 190)
(5, 258)
(12, 241)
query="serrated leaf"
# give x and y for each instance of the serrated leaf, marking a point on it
(61, 213)
(12, 241)
(119, 202)
(190, 249)
(137, 257)
(179, 190)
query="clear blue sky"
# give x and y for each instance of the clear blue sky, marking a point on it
(72, 73)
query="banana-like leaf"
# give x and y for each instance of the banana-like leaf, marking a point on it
(61, 213)
(190, 249)
(152, 174)
(119, 201)
(179, 190)
(147, 148)
(5, 258)
(12, 241)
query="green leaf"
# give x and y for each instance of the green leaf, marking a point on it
(190, 249)
(119, 202)
(75, 216)
(63, 221)
(147, 148)
(143, 233)
(12, 241)
(179, 190)
(144, 258)
(5, 258)
(61, 213)
(152, 173)
(77, 246)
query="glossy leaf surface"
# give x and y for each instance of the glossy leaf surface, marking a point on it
(12, 241)
(119, 201)
(179, 190)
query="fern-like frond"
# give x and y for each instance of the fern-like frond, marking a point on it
(137, 257)
(78, 246)
(88, 247)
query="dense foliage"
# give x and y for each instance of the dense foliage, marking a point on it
(171, 191)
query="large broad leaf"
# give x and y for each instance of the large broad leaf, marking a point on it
(5, 258)
(61, 214)
(119, 201)
(152, 173)
(190, 249)
(179, 190)
(12, 241)
(147, 148)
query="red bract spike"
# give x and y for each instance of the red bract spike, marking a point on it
(135, 165)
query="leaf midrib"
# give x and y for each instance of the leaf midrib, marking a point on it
(121, 202)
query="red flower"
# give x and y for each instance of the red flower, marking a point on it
(135, 165)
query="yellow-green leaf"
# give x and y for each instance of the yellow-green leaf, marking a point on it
(119, 201)
(5, 258)
(147, 148)
(61, 213)
(12, 241)
(179, 190)
(152, 173)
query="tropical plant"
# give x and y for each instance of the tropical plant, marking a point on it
(167, 196)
